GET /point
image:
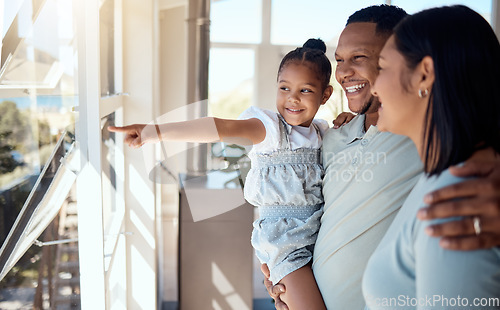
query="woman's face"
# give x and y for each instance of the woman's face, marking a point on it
(402, 111)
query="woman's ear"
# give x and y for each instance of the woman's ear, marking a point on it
(426, 68)
(326, 94)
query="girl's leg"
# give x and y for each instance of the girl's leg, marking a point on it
(302, 292)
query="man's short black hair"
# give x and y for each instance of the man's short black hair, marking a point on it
(385, 16)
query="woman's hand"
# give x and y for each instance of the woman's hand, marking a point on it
(274, 291)
(343, 118)
(478, 197)
(137, 135)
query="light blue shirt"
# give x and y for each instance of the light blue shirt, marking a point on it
(409, 270)
(368, 176)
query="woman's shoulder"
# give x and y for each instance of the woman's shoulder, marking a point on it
(427, 184)
(445, 178)
(415, 201)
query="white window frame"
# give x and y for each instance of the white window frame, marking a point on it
(97, 246)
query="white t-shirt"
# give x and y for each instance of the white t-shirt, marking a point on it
(300, 137)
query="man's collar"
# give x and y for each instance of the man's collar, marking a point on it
(357, 128)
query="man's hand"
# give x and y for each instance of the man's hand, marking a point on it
(343, 118)
(274, 291)
(472, 198)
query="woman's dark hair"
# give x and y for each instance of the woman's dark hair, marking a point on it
(312, 53)
(386, 17)
(464, 104)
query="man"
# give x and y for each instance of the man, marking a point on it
(368, 174)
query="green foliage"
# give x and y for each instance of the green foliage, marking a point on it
(15, 122)
(12, 133)
(7, 161)
(44, 136)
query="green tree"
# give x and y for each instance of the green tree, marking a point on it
(12, 133)
(13, 125)
(7, 161)
(44, 136)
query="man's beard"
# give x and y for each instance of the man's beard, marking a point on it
(371, 102)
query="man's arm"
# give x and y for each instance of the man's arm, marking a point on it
(472, 198)
(342, 119)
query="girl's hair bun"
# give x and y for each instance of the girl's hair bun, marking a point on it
(315, 44)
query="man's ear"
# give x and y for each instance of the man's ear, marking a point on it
(326, 94)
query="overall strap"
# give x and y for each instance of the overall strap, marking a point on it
(284, 136)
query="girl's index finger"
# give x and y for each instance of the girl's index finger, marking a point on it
(118, 129)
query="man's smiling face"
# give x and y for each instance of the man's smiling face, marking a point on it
(357, 55)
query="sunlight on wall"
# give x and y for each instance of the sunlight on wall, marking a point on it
(141, 273)
(226, 289)
(117, 281)
(141, 192)
(145, 232)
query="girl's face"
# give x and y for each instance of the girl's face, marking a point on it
(402, 111)
(300, 94)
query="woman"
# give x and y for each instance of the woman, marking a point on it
(437, 85)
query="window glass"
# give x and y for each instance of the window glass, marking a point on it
(107, 50)
(236, 21)
(112, 187)
(38, 52)
(230, 79)
(295, 21)
(483, 7)
(38, 95)
(10, 12)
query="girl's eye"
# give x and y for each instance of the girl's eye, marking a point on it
(284, 88)
(307, 91)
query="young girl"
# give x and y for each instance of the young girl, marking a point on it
(286, 174)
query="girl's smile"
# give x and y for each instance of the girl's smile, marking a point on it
(300, 94)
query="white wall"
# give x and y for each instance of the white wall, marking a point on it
(173, 95)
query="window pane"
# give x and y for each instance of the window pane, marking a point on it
(483, 7)
(38, 91)
(107, 50)
(10, 12)
(108, 172)
(295, 21)
(236, 21)
(112, 188)
(37, 51)
(47, 268)
(230, 81)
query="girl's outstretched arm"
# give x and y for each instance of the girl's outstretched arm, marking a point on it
(202, 130)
